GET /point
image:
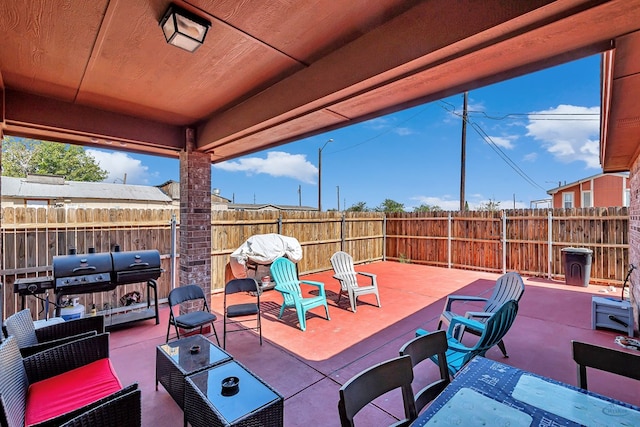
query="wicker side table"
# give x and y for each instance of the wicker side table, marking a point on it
(254, 403)
(174, 361)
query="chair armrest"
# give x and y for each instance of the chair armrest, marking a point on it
(70, 328)
(318, 285)
(459, 320)
(452, 298)
(120, 409)
(478, 314)
(36, 348)
(66, 357)
(371, 276)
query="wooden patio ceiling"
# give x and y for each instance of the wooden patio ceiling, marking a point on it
(99, 73)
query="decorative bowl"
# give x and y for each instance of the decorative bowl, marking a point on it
(230, 386)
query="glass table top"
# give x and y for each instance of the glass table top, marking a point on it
(180, 353)
(251, 395)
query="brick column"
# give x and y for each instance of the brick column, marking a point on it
(195, 217)
(634, 239)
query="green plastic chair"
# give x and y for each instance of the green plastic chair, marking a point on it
(284, 273)
(493, 330)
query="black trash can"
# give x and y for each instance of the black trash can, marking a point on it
(577, 266)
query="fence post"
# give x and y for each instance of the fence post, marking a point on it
(343, 226)
(280, 224)
(549, 242)
(449, 219)
(504, 241)
(172, 255)
(384, 237)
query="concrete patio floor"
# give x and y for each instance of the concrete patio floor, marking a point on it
(308, 368)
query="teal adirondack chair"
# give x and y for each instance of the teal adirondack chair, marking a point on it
(493, 330)
(284, 273)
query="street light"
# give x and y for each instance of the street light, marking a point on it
(320, 174)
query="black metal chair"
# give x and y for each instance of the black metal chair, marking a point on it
(371, 383)
(604, 359)
(194, 319)
(240, 313)
(423, 348)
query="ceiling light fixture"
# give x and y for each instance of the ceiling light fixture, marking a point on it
(184, 29)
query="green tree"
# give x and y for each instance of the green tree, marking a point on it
(427, 208)
(390, 206)
(358, 207)
(489, 206)
(23, 156)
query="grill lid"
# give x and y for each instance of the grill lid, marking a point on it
(82, 269)
(136, 266)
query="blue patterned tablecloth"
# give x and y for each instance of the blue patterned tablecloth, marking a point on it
(490, 393)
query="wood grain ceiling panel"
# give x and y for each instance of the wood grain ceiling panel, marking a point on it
(45, 45)
(306, 30)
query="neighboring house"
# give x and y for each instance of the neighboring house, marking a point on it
(218, 203)
(269, 207)
(51, 190)
(602, 190)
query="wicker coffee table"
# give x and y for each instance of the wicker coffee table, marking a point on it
(252, 403)
(175, 361)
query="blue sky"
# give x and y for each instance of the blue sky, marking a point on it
(525, 136)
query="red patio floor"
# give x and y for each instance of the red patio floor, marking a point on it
(307, 368)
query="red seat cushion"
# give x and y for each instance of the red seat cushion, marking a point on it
(63, 393)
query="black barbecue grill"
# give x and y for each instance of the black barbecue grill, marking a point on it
(135, 266)
(100, 272)
(89, 272)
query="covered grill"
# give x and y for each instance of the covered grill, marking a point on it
(135, 266)
(100, 272)
(89, 272)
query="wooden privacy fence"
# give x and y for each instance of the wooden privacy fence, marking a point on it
(32, 236)
(527, 241)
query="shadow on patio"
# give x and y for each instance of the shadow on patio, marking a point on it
(307, 368)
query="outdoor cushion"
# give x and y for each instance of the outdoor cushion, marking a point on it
(69, 391)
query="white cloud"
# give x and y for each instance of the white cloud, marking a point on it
(277, 164)
(504, 141)
(572, 136)
(119, 164)
(447, 203)
(403, 131)
(531, 157)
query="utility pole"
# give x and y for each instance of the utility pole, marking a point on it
(320, 174)
(463, 155)
(299, 195)
(338, 189)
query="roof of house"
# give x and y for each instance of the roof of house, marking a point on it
(50, 187)
(256, 207)
(589, 178)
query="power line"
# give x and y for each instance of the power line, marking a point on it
(391, 129)
(495, 147)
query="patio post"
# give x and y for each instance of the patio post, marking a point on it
(195, 217)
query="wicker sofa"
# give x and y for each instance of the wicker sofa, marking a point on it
(31, 340)
(69, 385)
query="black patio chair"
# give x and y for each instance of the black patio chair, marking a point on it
(422, 348)
(373, 382)
(194, 319)
(241, 313)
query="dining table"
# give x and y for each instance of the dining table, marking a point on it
(490, 393)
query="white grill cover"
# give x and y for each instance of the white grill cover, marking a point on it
(264, 249)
